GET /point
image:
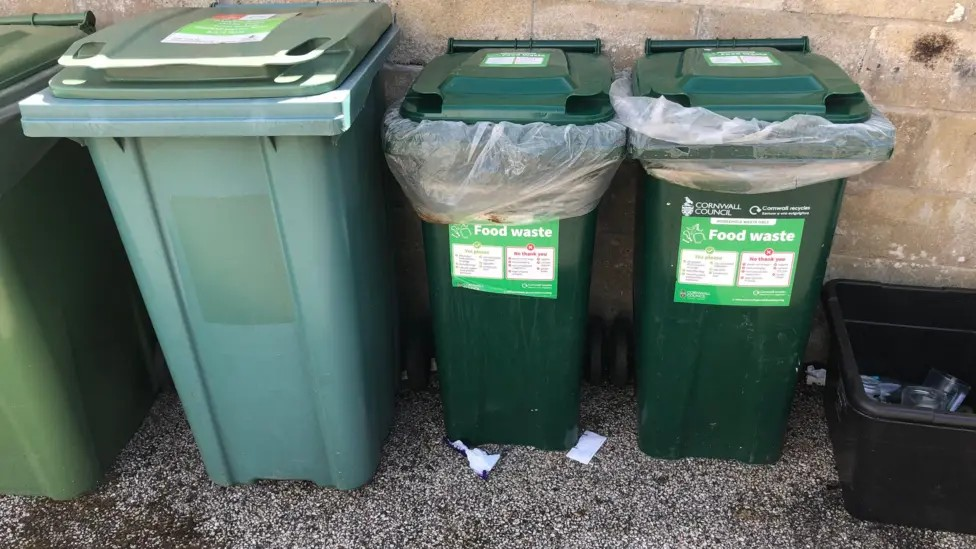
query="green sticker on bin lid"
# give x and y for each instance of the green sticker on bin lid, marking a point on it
(506, 259)
(515, 59)
(229, 28)
(740, 58)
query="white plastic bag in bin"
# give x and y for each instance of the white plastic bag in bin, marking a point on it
(674, 143)
(502, 172)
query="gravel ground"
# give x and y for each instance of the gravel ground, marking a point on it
(424, 495)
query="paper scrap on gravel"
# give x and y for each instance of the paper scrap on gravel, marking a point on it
(816, 376)
(587, 447)
(480, 461)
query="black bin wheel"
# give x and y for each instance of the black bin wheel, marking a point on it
(620, 352)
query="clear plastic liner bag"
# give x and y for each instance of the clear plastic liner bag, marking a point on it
(454, 172)
(701, 149)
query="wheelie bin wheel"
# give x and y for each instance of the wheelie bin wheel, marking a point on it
(619, 352)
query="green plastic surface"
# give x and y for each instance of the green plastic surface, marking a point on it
(27, 49)
(510, 366)
(717, 381)
(314, 50)
(265, 266)
(75, 342)
(556, 82)
(795, 82)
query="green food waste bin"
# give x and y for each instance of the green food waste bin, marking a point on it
(238, 147)
(75, 342)
(747, 144)
(504, 148)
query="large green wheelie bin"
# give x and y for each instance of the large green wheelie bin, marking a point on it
(239, 150)
(505, 148)
(75, 342)
(734, 233)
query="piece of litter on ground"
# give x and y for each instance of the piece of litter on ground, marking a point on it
(816, 376)
(480, 461)
(587, 447)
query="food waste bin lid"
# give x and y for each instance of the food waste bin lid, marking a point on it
(766, 79)
(226, 52)
(553, 81)
(31, 43)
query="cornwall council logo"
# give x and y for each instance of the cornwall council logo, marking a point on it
(688, 207)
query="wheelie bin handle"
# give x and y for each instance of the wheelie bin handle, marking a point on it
(801, 44)
(84, 21)
(576, 46)
(74, 58)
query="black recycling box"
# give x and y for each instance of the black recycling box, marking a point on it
(896, 464)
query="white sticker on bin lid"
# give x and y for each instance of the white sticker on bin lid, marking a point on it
(229, 28)
(741, 58)
(515, 59)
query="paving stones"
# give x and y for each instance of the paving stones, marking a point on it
(424, 495)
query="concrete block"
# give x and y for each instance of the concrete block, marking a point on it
(623, 25)
(905, 167)
(941, 11)
(845, 42)
(427, 24)
(922, 65)
(748, 4)
(907, 227)
(949, 159)
(397, 80)
(112, 11)
(18, 7)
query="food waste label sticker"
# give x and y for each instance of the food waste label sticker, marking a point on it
(749, 262)
(229, 28)
(506, 259)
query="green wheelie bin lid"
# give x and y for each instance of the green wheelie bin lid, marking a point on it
(228, 52)
(767, 79)
(31, 43)
(552, 81)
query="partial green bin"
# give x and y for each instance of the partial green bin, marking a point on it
(505, 148)
(75, 342)
(733, 238)
(238, 147)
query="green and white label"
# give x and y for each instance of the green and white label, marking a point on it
(515, 59)
(739, 58)
(747, 262)
(506, 259)
(229, 28)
